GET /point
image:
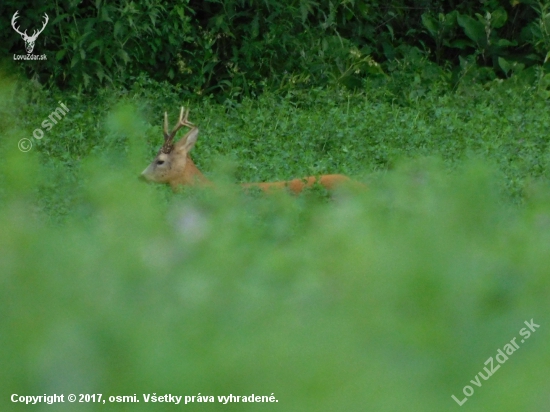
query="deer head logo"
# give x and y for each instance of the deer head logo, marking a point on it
(29, 40)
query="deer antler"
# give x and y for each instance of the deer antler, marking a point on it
(29, 40)
(169, 137)
(24, 34)
(15, 16)
(35, 33)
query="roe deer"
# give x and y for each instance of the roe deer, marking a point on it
(174, 166)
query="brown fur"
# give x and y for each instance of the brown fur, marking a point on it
(296, 186)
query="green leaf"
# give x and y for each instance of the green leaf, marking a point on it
(460, 44)
(505, 43)
(104, 17)
(255, 26)
(87, 79)
(75, 60)
(125, 57)
(473, 28)
(498, 18)
(180, 12)
(59, 18)
(100, 74)
(504, 65)
(60, 54)
(545, 81)
(430, 23)
(95, 43)
(390, 29)
(450, 19)
(518, 67)
(117, 29)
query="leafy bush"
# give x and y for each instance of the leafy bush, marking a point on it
(234, 49)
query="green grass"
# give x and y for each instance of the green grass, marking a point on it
(388, 299)
(302, 133)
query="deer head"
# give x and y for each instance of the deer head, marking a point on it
(172, 165)
(29, 40)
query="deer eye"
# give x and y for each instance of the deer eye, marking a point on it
(160, 162)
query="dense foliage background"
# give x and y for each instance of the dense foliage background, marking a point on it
(234, 48)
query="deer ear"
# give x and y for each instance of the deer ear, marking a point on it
(187, 142)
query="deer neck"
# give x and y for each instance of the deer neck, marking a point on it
(191, 176)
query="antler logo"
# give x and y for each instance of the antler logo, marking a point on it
(29, 40)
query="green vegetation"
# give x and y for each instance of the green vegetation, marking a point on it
(387, 299)
(232, 49)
